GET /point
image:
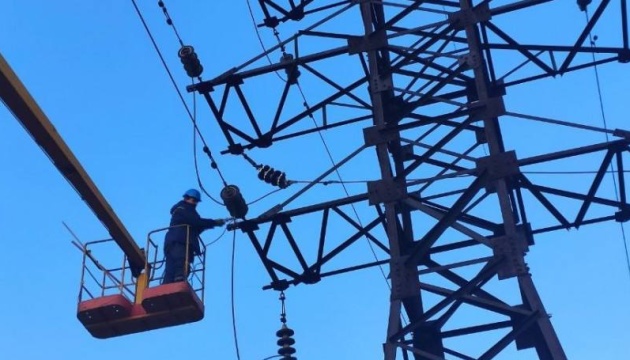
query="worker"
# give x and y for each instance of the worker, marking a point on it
(183, 233)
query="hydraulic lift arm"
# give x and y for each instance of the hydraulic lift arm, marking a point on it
(18, 100)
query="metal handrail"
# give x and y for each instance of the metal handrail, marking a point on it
(107, 273)
(115, 278)
(194, 271)
(149, 241)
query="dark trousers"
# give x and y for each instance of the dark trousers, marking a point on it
(175, 267)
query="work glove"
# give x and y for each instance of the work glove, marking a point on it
(219, 222)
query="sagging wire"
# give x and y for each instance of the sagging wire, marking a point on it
(218, 238)
(570, 172)
(173, 82)
(430, 179)
(169, 21)
(266, 172)
(194, 69)
(195, 266)
(331, 182)
(212, 163)
(605, 123)
(345, 189)
(157, 49)
(409, 181)
(446, 14)
(558, 122)
(295, 74)
(238, 354)
(264, 196)
(262, 44)
(274, 180)
(286, 56)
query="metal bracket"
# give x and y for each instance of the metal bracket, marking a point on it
(270, 213)
(512, 250)
(499, 166)
(471, 60)
(622, 215)
(381, 83)
(405, 282)
(245, 226)
(376, 40)
(461, 19)
(375, 135)
(431, 340)
(493, 107)
(480, 136)
(407, 152)
(624, 56)
(625, 134)
(385, 191)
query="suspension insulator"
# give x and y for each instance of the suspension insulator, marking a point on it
(234, 201)
(286, 342)
(191, 62)
(273, 176)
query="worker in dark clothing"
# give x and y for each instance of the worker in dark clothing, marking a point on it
(183, 234)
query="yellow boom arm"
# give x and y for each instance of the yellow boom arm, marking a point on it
(18, 100)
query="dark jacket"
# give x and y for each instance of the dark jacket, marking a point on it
(184, 213)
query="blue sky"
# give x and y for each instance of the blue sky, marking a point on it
(92, 69)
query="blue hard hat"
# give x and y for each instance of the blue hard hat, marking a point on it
(193, 193)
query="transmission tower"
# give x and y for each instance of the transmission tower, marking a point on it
(422, 84)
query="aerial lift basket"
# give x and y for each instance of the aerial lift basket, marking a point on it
(114, 303)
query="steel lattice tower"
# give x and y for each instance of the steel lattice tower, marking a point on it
(426, 99)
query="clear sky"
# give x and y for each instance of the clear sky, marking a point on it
(93, 70)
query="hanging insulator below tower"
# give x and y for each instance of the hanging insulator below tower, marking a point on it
(273, 176)
(286, 342)
(191, 62)
(234, 201)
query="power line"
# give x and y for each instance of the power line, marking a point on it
(558, 122)
(195, 153)
(334, 164)
(193, 114)
(262, 44)
(585, 172)
(433, 178)
(264, 196)
(238, 354)
(446, 13)
(218, 238)
(169, 21)
(157, 49)
(603, 114)
(282, 48)
(174, 83)
(330, 182)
